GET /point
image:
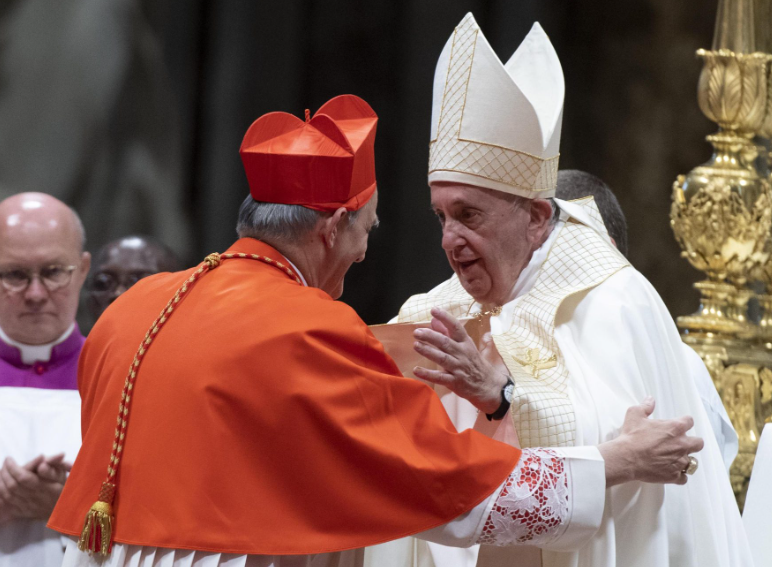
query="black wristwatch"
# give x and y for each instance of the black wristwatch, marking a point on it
(506, 400)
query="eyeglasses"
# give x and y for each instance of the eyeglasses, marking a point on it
(104, 282)
(53, 277)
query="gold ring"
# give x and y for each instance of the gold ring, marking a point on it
(692, 468)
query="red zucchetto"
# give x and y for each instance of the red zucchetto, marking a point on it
(324, 163)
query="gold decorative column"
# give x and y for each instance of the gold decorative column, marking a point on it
(721, 216)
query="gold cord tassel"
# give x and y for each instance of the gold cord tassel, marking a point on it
(97, 535)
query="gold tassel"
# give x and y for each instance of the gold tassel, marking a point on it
(97, 534)
(98, 530)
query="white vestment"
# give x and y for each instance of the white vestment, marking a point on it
(35, 421)
(619, 345)
(723, 430)
(758, 502)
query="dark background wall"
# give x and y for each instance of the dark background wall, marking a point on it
(631, 115)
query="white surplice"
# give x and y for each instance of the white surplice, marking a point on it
(620, 345)
(35, 421)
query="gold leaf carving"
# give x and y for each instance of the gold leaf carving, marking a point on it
(754, 91)
(766, 127)
(750, 87)
(732, 89)
(719, 235)
(731, 97)
(709, 90)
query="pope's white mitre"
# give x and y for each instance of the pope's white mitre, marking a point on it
(493, 125)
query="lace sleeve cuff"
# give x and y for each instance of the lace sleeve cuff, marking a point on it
(539, 504)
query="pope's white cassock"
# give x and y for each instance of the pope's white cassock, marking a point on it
(584, 337)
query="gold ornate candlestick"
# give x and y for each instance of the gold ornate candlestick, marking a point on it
(721, 216)
(721, 212)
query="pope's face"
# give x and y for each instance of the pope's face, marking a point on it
(350, 246)
(485, 237)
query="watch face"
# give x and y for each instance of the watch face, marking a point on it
(509, 390)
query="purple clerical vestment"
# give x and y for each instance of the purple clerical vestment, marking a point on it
(59, 373)
(39, 415)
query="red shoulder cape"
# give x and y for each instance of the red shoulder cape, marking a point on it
(266, 419)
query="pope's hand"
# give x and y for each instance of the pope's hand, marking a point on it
(650, 450)
(464, 370)
(31, 491)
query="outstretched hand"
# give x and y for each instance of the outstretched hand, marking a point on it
(463, 369)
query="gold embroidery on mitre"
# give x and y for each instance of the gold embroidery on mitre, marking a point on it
(450, 152)
(580, 259)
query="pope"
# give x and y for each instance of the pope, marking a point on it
(571, 331)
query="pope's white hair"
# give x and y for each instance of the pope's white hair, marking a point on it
(276, 222)
(555, 211)
(553, 205)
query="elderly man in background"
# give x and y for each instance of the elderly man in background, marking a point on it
(570, 330)
(42, 269)
(123, 262)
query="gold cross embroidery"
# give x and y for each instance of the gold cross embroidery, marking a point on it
(533, 365)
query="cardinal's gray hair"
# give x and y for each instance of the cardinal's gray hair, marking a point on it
(272, 222)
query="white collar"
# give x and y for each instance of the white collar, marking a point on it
(528, 276)
(294, 267)
(34, 353)
(526, 280)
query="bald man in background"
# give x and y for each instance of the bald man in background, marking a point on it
(42, 268)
